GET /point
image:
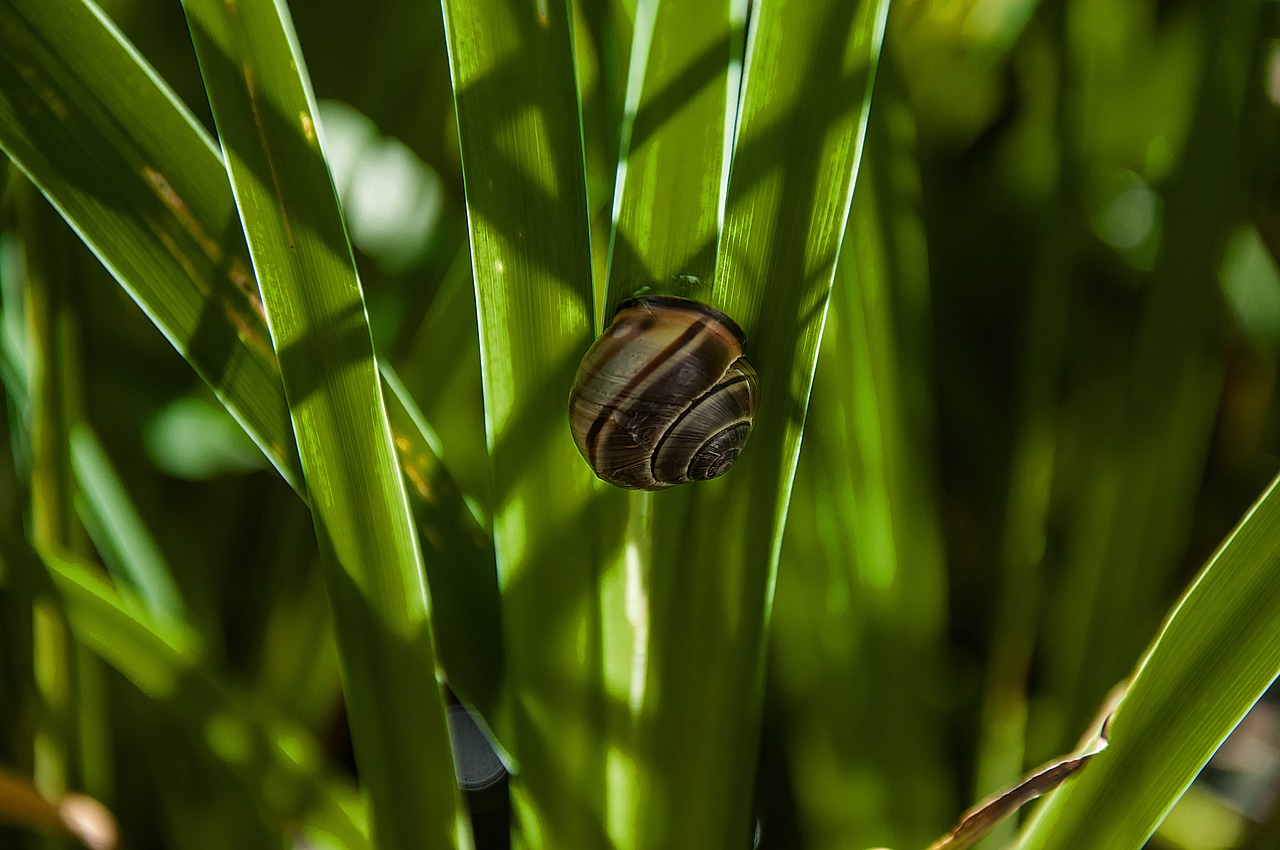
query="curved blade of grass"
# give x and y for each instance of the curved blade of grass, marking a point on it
(806, 93)
(133, 173)
(129, 168)
(1216, 655)
(521, 145)
(265, 115)
(453, 528)
(274, 760)
(118, 530)
(451, 399)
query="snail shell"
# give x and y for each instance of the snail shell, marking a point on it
(664, 396)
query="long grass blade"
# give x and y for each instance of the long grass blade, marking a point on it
(670, 180)
(55, 384)
(806, 93)
(522, 158)
(265, 114)
(129, 549)
(1216, 655)
(667, 213)
(861, 582)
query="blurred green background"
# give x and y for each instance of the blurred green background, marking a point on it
(1080, 204)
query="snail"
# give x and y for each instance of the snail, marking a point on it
(664, 396)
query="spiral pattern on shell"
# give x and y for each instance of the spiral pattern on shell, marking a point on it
(664, 396)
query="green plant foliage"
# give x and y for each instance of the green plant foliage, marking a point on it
(288, 487)
(254, 396)
(124, 143)
(166, 662)
(1212, 661)
(862, 558)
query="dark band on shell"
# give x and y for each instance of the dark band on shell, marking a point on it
(665, 395)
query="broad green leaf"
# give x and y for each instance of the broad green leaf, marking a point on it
(265, 114)
(521, 146)
(1216, 655)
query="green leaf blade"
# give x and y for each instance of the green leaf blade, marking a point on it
(806, 92)
(1216, 655)
(669, 198)
(119, 531)
(521, 146)
(265, 116)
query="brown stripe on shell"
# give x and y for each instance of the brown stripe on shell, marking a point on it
(720, 388)
(656, 404)
(663, 358)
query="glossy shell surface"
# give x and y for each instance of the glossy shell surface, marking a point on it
(664, 396)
